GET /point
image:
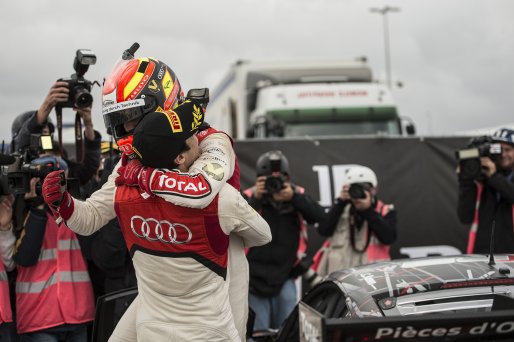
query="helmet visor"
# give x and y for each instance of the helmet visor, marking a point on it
(120, 113)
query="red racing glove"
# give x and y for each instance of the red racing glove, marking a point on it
(133, 173)
(55, 195)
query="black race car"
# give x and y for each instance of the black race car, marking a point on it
(458, 298)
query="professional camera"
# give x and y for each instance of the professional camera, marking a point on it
(80, 88)
(469, 158)
(274, 184)
(22, 169)
(358, 190)
(19, 181)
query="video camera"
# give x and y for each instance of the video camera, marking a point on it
(469, 158)
(18, 168)
(80, 88)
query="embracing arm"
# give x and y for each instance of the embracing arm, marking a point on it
(238, 217)
(208, 174)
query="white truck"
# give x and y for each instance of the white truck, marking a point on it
(298, 99)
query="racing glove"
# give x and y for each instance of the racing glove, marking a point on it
(56, 196)
(133, 173)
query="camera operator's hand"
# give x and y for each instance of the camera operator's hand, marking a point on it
(31, 197)
(6, 210)
(260, 187)
(284, 195)
(32, 194)
(56, 196)
(488, 166)
(85, 114)
(58, 93)
(364, 203)
(344, 195)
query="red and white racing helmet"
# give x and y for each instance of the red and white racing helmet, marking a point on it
(135, 87)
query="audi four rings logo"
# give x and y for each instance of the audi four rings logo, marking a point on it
(160, 230)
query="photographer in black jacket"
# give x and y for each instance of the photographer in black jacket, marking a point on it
(38, 122)
(274, 267)
(493, 189)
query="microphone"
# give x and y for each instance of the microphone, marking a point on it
(6, 159)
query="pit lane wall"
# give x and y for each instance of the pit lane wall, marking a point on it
(416, 174)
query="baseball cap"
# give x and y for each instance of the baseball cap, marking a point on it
(159, 137)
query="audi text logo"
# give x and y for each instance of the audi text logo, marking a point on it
(155, 230)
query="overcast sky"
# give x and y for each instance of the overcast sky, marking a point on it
(454, 57)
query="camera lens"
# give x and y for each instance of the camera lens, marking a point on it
(356, 191)
(274, 184)
(83, 98)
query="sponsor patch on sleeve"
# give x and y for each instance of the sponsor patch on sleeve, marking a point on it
(180, 184)
(214, 170)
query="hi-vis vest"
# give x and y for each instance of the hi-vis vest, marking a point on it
(234, 180)
(154, 226)
(337, 251)
(5, 303)
(57, 290)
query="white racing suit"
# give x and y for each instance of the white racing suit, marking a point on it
(180, 257)
(217, 154)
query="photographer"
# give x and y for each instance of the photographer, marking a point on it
(492, 188)
(274, 267)
(38, 122)
(51, 255)
(359, 226)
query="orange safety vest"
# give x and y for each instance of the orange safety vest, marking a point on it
(57, 290)
(5, 302)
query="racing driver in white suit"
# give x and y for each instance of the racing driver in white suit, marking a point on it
(216, 165)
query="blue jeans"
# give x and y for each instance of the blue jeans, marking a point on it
(76, 335)
(270, 312)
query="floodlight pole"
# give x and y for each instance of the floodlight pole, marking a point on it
(383, 11)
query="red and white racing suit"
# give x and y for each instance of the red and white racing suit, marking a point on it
(180, 257)
(214, 167)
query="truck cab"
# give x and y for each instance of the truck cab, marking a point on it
(324, 109)
(259, 99)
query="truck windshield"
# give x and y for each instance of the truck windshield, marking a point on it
(387, 127)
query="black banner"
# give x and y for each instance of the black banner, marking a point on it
(417, 175)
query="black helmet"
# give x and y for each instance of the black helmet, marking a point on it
(20, 120)
(270, 162)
